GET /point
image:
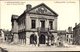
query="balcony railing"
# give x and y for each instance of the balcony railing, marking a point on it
(40, 29)
(21, 30)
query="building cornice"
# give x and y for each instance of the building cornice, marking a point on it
(41, 14)
(15, 32)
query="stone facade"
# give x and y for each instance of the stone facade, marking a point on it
(2, 36)
(66, 37)
(76, 34)
(69, 36)
(37, 25)
(62, 36)
(15, 28)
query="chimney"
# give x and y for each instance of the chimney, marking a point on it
(28, 7)
(69, 29)
(75, 24)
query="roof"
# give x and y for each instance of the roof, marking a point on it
(7, 33)
(77, 26)
(42, 4)
(14, 17)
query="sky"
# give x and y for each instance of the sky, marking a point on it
(68, 11)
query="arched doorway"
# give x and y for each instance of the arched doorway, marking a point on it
(33, 39)
(42, 39)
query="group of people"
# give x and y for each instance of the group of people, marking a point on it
(49, 43)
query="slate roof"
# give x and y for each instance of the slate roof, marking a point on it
(14, 17)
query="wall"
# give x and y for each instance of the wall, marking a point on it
(76, 36)
(15, 38)
(2, 38)
(38, 18)
(69, 39)
(21, 22)
(15, 26)
(15, 31)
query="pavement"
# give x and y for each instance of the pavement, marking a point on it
(21, 48)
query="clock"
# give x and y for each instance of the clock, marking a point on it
(41, 10)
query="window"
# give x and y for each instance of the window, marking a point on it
(67, 39)
(67, 36)
(43, 24)
(33, 24)
(71, 36)
(71, 40)
(0, 35)
(51, 24)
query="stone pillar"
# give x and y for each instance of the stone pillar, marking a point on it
(20, 41)
(55, 23)
(38, 40)
(46, 23)
(15, 38)
(22, 38)
(49, 41)
(40, 24)
(27, 40)
(37, 23)
(23, 41)
(46, 39)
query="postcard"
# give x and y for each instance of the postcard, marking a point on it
(39, 25)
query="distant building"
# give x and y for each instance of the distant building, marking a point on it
(76, 34)
(62, 36)
(37, 25)
(66, 36)
(69, 36)
(2, 37)
(8, 37)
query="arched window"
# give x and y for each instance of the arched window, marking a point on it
(33, 39)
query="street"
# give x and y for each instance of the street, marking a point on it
(15, 48)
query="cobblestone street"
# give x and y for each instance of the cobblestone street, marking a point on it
(16, 48)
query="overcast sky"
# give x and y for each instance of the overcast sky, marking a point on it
(68, 11)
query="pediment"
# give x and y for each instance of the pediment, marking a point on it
(42, 9)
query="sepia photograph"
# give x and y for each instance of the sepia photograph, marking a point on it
(39, 25)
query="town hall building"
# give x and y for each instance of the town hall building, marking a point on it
(37, 25)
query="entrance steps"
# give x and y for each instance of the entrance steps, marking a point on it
(33, 45)
(42, 45)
